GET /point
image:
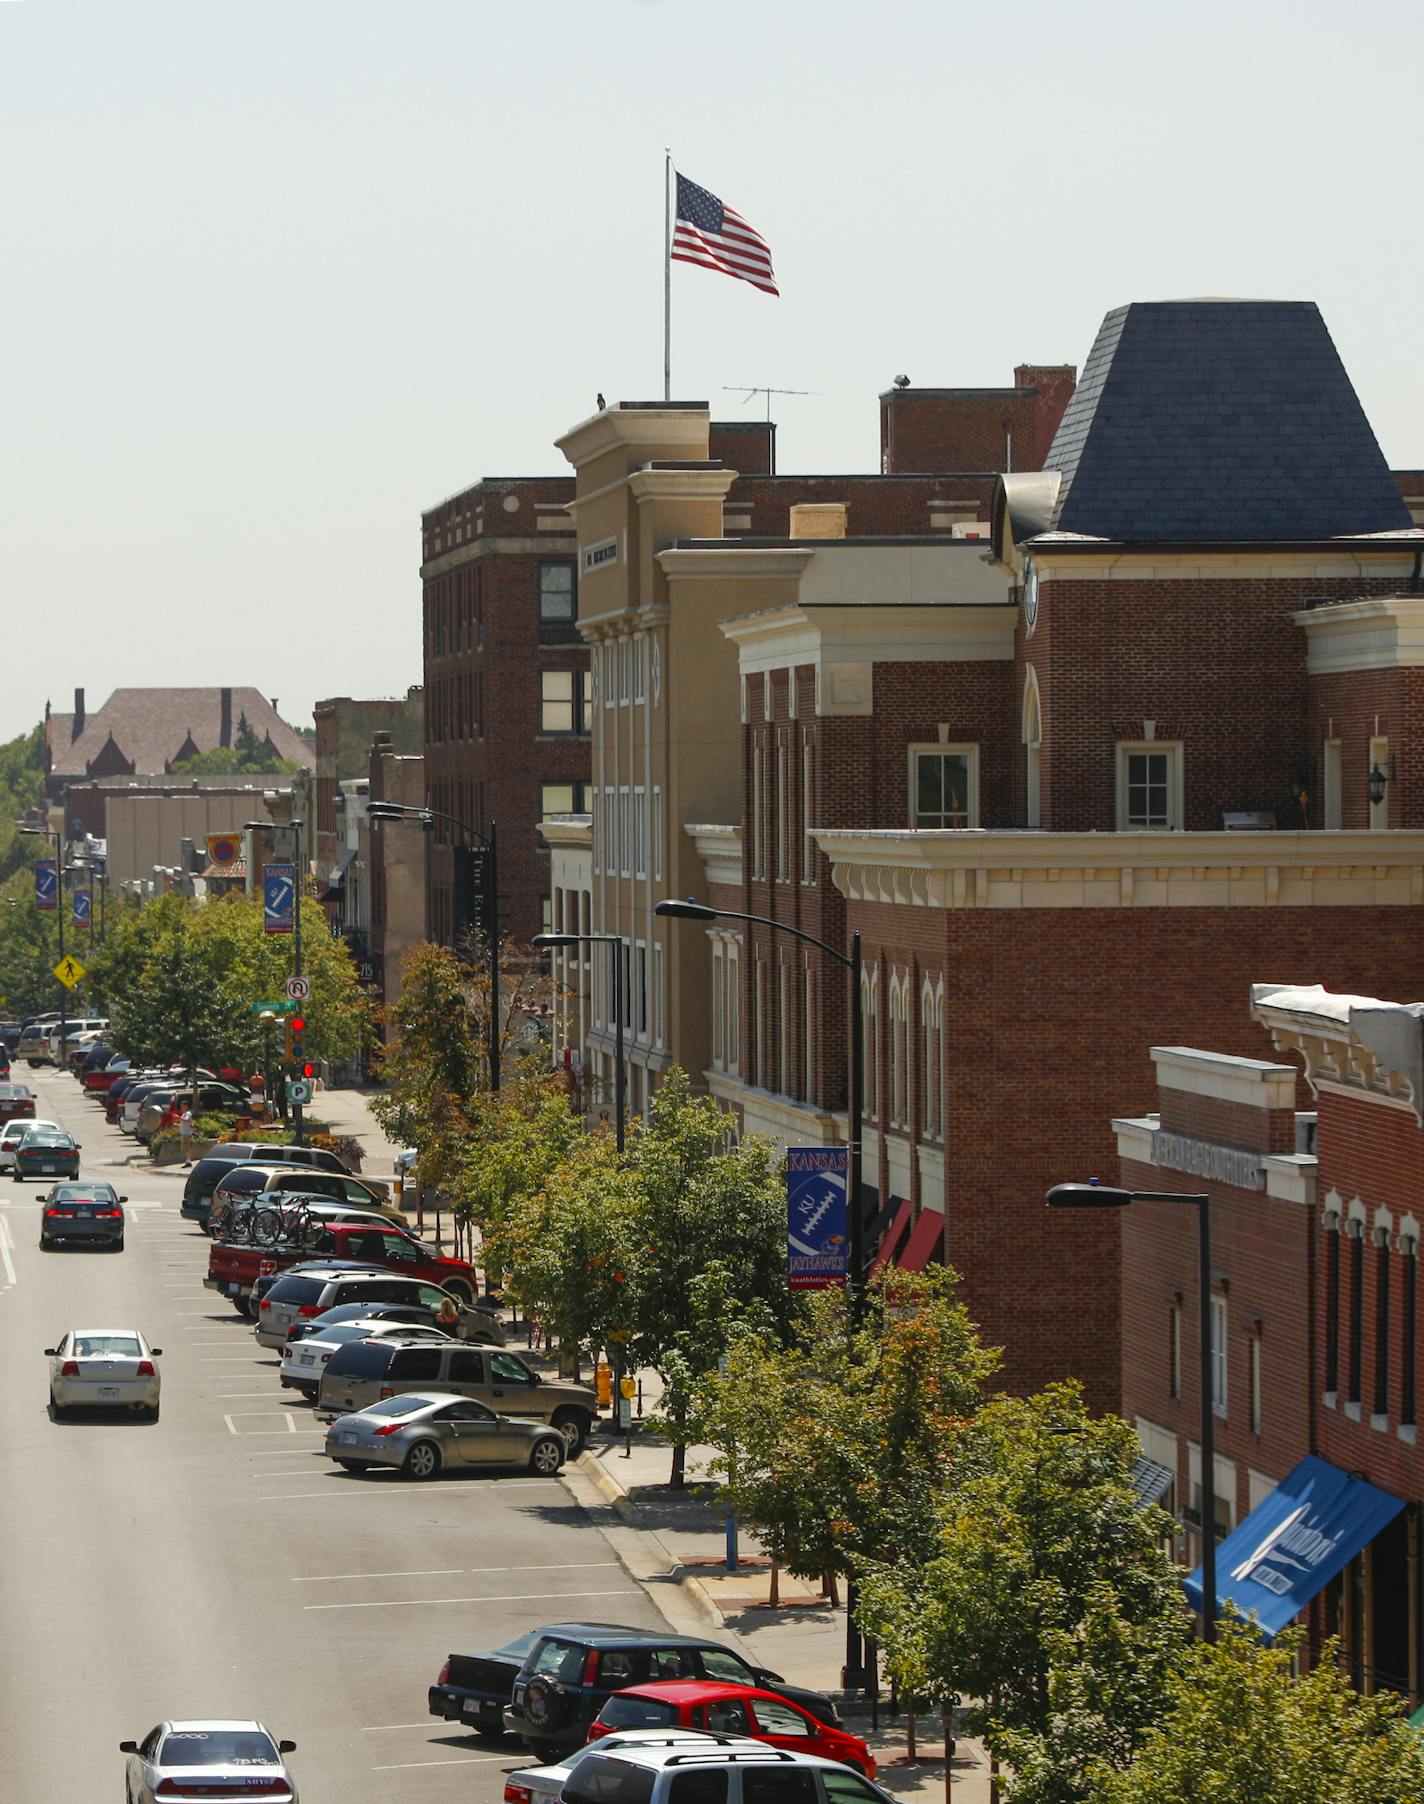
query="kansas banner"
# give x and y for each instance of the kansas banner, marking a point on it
(46, 883)
(279, 889)
(816, 1217)
(81, 905)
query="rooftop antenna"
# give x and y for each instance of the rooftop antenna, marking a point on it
(748, 390)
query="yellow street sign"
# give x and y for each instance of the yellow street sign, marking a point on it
(69, 971)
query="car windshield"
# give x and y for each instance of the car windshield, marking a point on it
(217, 1747)
(397, 1406)
(636, 1713)
(107, 1346)
(43, 1139)
(83, 1193)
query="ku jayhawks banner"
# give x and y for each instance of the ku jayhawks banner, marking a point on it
(279, 889)
(46, 884)
(80, 902)
(816, 1217)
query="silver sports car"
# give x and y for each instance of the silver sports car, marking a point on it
(218, 1758)
(420, 1432)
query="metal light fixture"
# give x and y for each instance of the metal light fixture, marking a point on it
(1376, 784)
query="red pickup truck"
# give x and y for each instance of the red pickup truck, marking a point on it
(233, 1270)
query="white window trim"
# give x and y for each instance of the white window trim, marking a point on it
(1033, 747)
(657, 830)
(808, 1073)
(1330, 768)
(719, 1005)
(733, 1009)
(1172, 748)
(782, 823)
(625, 836)
(869, 1010)
(640, 837)
(966, 749)
(1220, 1350)
(808, 811)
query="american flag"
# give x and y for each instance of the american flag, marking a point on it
(709, 233)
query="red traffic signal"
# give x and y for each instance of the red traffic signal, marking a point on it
(308, 1070)
(298, 1024)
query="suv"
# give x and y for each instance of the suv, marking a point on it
(253, 1176)
(220, 1159)
(365, 1371)
(34, 1038)
(721, 1772)
(342, 1281)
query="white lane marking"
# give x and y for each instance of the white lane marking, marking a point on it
(512, 1597)
(269, 1453)
(235, 1396)
(367, 1491)
(383, 1728)
(328, 1578)
(402, 1766)
(5, 1245)
(252, 1415)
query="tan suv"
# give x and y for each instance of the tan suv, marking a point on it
(365, 1371)
(253, 1178)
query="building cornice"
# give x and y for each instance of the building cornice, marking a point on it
(568, 832)
(720, 849)
(688, 562)
(1382, 632)
(1351, 1044)
(1091, 560)
(656, 483)
(651, 428)
(979, 868)
(909, 632)
(562, 543)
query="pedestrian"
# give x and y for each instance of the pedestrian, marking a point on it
(186, 1130)
(447, 1316)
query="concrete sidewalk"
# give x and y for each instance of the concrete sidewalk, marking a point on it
(802, 1636)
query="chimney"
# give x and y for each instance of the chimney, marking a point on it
(225, 724)
(818, 520)
(78, 724)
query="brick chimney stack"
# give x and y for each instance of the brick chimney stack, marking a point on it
(225, 724)
(77, 726)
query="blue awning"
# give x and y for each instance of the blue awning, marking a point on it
(1294, 1542)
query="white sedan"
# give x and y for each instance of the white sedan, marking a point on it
(103, 1368)
(303, 1359)
(208, 1759)
(14, 1133)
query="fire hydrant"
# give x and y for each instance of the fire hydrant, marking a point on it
(604, 1379)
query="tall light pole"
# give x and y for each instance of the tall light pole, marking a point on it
(427, 817)
(298, 885)
(854, 1674)
(56, 838)
(548, 942)
(1100, 1196)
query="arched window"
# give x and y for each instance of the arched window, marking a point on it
(870, 1042)
(932, 1026)
(1033, 740)
(899, 1011)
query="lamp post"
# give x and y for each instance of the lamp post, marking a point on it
(854, 1673)
(427, 817)
(1100, 1196)
(57, 840)
(549, 942)
(296, 827)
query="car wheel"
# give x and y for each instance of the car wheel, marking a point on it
(309, 1391)
(118, 1245)
(423, 1461)
(461, 1291)
(574, 1428)
(354, 1465)
(152, 1412)
(240, 1305)
(45, 1243)
(547, 1456)
(56, 1409)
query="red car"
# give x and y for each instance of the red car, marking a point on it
(17, 1102)
(730, 1710)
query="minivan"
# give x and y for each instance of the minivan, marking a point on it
(365, 1371)
(219, 1160)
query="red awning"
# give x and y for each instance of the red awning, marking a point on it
(891, 1239)
(923, 1241)
(238, 868)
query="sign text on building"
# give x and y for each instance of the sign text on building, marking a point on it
(1220, 1164)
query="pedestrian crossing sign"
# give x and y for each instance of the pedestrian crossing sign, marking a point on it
(69, 971)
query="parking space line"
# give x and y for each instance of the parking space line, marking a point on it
(252, 1415)
(5, 1245)
(324, 1578)
(512, 1597)
(382, 1728)
(330, 1578)
(402, 1766)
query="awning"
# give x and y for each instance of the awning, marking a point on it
(1150, 1481)
(922, 1242)
(893, 1237)
(336, 882)
(238, 868)
(1295, 1541)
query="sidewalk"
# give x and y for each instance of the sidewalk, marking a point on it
(803, 1637)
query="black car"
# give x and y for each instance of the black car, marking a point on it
(569, 1670)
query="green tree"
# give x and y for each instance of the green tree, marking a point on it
(1045, 1561)
(431, 1066)
(173, 1014)
(228, 761)
(1240, 1726)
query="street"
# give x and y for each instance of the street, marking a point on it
(216, 1563)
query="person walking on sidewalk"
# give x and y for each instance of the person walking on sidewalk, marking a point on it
(186, 1130)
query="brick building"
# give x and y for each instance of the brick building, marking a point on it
(1314, 1310)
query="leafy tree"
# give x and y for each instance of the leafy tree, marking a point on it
(1238, 1725)
(229, 761)
(431, 1067)
(173, 1014)
(1046, 1564)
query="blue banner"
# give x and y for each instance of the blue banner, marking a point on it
(279, 889)
(46, 884)
(80, 898)
(816, 1217)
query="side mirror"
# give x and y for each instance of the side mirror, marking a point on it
(157, 1352)
(128, 1747)
(51, 1352)
(766, 1676)
(286, 1747)
(123, 1199)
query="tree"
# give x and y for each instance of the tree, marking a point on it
(1239, 1725)
(1046, 1563)
(432, 1065)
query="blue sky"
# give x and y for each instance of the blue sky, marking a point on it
(280, 273)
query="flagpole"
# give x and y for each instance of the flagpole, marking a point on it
(667, 275)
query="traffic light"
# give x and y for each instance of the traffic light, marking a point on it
(296, 1053)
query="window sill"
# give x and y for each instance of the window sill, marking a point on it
(1407, 1433)
(1380, 1424)
(1352, 1412)
(1329, 1399)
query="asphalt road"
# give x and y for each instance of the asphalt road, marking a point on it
(215, 1563)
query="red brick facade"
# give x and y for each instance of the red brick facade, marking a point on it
(975, 428)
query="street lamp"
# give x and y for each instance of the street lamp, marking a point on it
(57, 840)
(548, 942)
(427, 817)
(1101, 1196)
(854, 1674)
(296, 827)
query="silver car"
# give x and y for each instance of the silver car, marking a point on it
(103, 1368)
(545, 1784)
(422, 1433)
(212, 1759)
(303, 1359)
(83, 1211)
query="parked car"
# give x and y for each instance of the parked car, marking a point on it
(545, 1784)
(10, 1032)
(13, 1133)
(248, 1179)
(292, 1296)
(578, 1666)
(234, 1270)
(220, 1159)
(83, 1211)
(45, 1153)
(723, 1709)
(17, 1102)
(304, 1360)
(733, 1774)
(366, 1371)
(477, 1322)
(422, 1433)
(208, 1759)
(103, 1368)
(161, 1106)
(34, 1039)
(98, 1079)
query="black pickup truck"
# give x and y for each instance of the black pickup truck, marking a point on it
(548, 1686)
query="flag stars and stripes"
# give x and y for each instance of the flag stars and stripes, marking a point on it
(710, 234)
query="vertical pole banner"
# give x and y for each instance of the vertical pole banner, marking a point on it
(816, 1217)
(46, 884)
(279, 889)
(82, 908)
